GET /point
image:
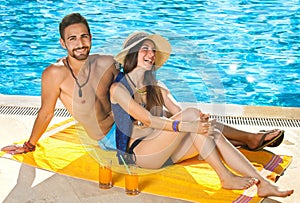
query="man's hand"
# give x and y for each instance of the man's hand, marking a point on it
(19, 149)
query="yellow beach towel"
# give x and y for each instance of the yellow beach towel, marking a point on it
(68, 151)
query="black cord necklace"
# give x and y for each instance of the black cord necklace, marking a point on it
(76, 79)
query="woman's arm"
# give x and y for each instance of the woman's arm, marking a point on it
(173, 106)
(119, 94)
(170, 102)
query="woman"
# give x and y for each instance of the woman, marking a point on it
(139, 103)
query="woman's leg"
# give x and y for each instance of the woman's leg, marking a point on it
(238, 162)
(153, 153)
(205, 147)
(233, 158)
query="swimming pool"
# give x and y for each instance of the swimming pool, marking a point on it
(229, 51)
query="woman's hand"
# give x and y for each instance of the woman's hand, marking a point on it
(204, 127)
(204, 116)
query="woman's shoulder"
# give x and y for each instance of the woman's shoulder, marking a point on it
(118, 92)
(162, 85)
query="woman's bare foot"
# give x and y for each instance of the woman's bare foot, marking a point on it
(238, 183)
(267, 189)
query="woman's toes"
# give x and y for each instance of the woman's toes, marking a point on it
(251, 182)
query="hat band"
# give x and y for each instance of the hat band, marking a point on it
(134, 39)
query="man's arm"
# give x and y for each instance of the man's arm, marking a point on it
(49, 95)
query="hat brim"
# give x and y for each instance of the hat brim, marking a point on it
(163, 50)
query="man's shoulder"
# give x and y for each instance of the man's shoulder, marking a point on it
(104, 61)
(55, 67)
(101, 57)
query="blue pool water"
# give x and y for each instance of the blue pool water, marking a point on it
(228, 51)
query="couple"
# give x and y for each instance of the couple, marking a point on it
(84, 82)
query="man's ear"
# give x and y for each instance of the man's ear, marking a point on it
(62, 42)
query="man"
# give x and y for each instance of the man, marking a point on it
(81, 81)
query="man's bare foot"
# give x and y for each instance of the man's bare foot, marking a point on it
(262, 138)
(238, 183)
(267, 189)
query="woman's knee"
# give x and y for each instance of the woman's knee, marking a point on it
(190, 114)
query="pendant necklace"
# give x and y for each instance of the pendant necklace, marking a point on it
(141, 92)
(76, 79)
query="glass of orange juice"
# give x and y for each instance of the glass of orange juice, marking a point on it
(105, 174)
(132, 181)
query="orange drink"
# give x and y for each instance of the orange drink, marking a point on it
(105, 176)
(132, 182)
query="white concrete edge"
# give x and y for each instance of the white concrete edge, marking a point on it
(213, 109)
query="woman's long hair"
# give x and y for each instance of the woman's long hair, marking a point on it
(155, 99)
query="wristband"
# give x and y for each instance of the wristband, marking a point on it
(175, 125)
(28, 147)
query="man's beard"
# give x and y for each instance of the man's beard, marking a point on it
(82, 56)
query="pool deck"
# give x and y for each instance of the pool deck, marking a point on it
(22, 183)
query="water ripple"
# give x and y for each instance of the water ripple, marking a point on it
(238, 51)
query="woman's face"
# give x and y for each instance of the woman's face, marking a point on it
(146, 55)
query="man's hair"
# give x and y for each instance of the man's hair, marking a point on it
(73, 18)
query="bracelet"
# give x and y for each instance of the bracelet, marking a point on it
(28, 147)
(175, 125)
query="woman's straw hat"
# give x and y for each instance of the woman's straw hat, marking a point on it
(163, 47)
